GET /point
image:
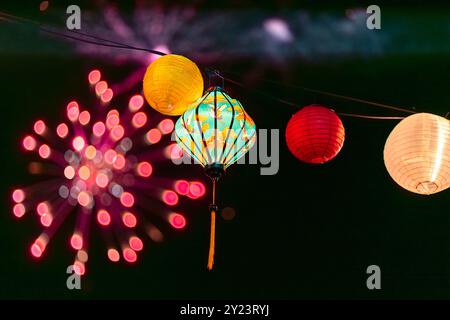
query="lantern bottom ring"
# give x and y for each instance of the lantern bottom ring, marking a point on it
(427, 187)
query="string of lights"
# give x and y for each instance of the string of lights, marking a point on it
(100, 41)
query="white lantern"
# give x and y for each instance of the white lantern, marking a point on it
(417, 153)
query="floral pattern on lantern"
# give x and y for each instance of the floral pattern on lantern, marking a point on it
(217, 131)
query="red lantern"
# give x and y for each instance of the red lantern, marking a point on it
(315, 134)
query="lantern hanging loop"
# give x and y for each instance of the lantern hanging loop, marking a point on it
(212, 75)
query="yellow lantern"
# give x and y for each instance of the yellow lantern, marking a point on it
(172, 83)
(417, 153)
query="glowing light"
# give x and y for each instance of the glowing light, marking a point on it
(116, 190)
(76, 241)
(117, 132)
(144, 169)
(135, 243)
(78, 143)
(44, 151)
(166, 126)
(171, 84)
(173, 152)
(441, 141)
(103, 217)
(84, 118)
(73, 111)
(126, 144)
(107, 95)
(129, 255)
(18, 195)
(129, 220)
(196, 190)
(84, 199)
(82, 256)
(63, 192)
(79, 268)
(119, 162)
(39, 127)
(170, 197)
(136, 102)
(62, 130)
(102, 180)
(94, 76)
(98, 129)
(19, 210)
(112, 119)
(29, 143)
(161, 48)
(43, 6)
(110, 156)
(90, 152)
(42, 208)
(182, 187)
(278, 29)
(101, 87)
(139, 120)
(113, 255)
(84, 172)
(177, 220)
(69, 172)
(127, 199)
(153, 136)
(36, 250)
(416, 153)
(98, 163)
(46, 219)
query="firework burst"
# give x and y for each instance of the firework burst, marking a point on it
(100, 167)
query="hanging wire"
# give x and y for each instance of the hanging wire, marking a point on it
(114, 44)
(368, 117)
(326, 93)
(292, 104)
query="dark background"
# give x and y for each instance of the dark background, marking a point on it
(308, 232)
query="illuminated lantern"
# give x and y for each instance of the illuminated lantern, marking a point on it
(216, 133)
(417, 153)
(172, 83)
(315, 134)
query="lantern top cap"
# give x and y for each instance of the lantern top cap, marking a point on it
(215, 88)
(319, 106)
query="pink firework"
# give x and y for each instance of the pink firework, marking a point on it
(96, 174)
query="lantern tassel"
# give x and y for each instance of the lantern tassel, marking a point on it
(212, 239)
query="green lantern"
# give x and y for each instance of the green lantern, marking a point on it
(216, 133)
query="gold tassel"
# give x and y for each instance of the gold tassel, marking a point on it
(212, 240)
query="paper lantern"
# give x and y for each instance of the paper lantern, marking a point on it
(216, 133)
(315, 134)
(172, 83)
(417, 153)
